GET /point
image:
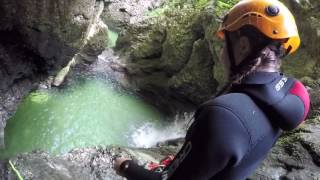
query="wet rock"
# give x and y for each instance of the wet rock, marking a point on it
(119, 14)
(296, 156)
(97, 39)
(88, 163)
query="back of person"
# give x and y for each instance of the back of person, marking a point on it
(261, 132)
(263, 108)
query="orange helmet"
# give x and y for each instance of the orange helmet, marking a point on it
(270, 17)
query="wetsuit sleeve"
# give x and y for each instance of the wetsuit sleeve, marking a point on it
(217, 141)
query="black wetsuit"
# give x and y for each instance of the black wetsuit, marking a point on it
(233, 133)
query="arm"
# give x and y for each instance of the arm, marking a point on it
(132, 171)
(217, 140)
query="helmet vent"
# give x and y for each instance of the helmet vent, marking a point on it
(245, 16)
(251, 14)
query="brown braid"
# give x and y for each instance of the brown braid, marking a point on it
(244, 72)
(267, 58)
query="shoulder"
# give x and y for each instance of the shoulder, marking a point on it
(234, 102)
(239, 112)
(299, 90)
(218, 121)
(294, 107)
(230, 110)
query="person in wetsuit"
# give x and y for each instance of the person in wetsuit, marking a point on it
(233, 132)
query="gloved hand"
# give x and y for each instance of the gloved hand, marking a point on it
(117, 164)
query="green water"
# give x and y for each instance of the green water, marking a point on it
(89, 114)
(112, 38)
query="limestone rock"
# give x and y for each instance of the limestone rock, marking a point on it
(296, 156)
(172, 58)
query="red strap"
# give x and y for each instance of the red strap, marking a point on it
(152, 166)
(163, 163)
(167, 160)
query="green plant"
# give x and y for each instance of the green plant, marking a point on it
(15, 171)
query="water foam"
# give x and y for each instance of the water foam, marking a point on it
(150, 133)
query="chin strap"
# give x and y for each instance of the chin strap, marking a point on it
(230, 53)
(234, 69)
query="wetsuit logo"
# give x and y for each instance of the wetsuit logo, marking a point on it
(176, 162)
(281, 83)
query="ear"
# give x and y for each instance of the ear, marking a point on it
(244, 45)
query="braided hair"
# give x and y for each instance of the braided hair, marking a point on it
(265, 52)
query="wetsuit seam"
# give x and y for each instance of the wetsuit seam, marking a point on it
(236, 115)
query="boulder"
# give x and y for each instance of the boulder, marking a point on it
(296, 156)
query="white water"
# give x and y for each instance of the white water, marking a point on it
(150, 133)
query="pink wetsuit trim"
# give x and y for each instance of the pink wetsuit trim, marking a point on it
(299, 90)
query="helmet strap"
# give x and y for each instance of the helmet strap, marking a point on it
(233, 67)
(230, 52)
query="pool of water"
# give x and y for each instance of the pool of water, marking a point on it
(112, 38)
(90, 113)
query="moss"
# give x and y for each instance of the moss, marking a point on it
(308, 81)
(299, 65)
(315, 120)
(222, 6)
(201, 3)
(289, 137)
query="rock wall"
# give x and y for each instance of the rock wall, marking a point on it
(170, 57)
(55, 29)
(173, 56)
(306, 61)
